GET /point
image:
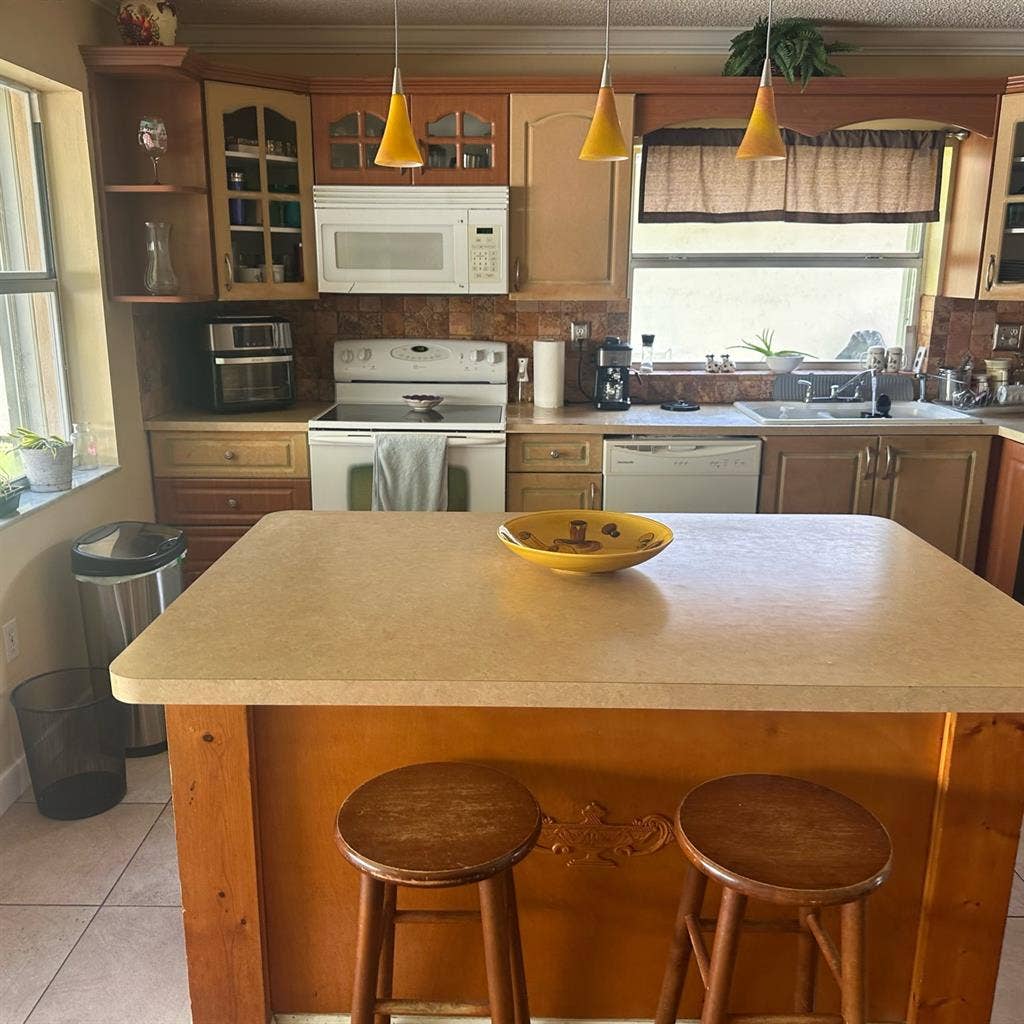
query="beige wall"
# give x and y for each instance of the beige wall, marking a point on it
(36, 587)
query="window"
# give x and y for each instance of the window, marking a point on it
(823, 288)
(32, 388)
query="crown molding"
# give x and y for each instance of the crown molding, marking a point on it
(523, 39)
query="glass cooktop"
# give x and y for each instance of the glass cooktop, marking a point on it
(401, 417)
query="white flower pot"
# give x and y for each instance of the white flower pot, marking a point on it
(46, 470)
(783, 364)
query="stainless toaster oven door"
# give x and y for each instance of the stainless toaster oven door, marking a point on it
(253, 381)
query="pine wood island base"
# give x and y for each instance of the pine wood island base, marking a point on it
(270, 904)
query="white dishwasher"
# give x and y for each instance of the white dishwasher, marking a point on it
(681, 474)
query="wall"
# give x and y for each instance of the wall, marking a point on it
(953, 328)
(36, 586)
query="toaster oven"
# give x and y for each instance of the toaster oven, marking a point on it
(246, 364)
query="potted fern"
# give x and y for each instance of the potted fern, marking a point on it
(47, 459)
(779, 360)
(10, 496)
(798, 51)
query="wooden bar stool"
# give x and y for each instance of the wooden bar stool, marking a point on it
(785, 841)
(435, 826)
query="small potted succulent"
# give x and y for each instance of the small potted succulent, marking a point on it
(47, 459)
(10, 496)
(779, 360)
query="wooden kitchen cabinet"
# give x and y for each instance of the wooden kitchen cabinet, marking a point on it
(933, 485)
(1003, 263)
(538, 492)
(818, 475)
(215, 453)
(265, 137)
(227, 502)
(205, 545)
(1004, 541)
(463, 138)
(555, 453)
(568, 218)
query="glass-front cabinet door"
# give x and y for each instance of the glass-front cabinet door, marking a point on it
(261, 189)
(347, 130)
(464, 139)
(1002, 273)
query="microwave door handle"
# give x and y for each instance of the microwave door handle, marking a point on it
(221, 360)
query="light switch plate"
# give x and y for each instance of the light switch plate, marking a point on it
(1008, 337)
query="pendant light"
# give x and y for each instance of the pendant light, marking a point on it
(762, 139)
(398, 144)
(604, 139)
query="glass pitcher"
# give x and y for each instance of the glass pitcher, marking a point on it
(160, 277)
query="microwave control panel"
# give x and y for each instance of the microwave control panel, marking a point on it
(484, 253)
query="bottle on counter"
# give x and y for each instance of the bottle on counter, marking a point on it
(647, 353)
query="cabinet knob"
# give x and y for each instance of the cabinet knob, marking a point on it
(232, 503)
(229, 455)
(555, 454)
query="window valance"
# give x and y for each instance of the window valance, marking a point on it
(838, 177)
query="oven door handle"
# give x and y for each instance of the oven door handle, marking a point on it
(231, 360)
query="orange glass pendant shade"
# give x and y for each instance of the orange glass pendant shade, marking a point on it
(398, 146)
(604, 139)
(762, 139)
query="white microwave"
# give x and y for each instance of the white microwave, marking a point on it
(412, 239)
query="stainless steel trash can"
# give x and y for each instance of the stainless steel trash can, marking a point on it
(127, 574)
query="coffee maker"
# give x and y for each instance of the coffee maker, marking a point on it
(611, 383)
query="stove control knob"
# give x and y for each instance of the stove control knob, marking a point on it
(494, 358)
(347, 355)
(476, 355)
(365, 354)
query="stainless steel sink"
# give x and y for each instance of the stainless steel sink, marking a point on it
(803, 413)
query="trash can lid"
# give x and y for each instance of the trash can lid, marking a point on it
(126, 549)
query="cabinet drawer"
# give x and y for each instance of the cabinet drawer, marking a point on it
(554, 453)
(226, 502)
(540, 492)
(205, 545)
(221, 454)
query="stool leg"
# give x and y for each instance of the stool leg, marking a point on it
(368, 940)
(515, 942)
(806, 966)
(854, 963)
(694, 885)
(723, 957)
(497, 956)
(386, 973)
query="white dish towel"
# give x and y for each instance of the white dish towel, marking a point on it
(410, 472)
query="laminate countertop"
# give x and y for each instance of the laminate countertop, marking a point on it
(292, 419)
(789, 613)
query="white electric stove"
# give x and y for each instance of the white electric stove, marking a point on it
(370, 379)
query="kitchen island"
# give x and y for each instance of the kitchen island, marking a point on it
(324, 648)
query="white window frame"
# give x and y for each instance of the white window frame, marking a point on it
(38, 281)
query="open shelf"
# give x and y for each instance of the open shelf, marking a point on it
(187, 190)
(285, 231)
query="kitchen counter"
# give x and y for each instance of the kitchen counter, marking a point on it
(713, 420)
(725, 577)
(294, 418)
(325, 648)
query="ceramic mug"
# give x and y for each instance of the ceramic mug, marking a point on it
(875, 357)
(893, 359)
(249, 275)
(277, 270)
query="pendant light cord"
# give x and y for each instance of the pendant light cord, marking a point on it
(767, 34)
(607, 26)
(396, 30)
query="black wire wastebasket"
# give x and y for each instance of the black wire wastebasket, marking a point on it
(74, 733)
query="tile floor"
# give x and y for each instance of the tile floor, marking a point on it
(90, 919)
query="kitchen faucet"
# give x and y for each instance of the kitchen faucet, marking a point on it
(835, 391)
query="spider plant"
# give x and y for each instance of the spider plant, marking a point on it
(798, 51)
(10, 495)
(763, 345)
(25, 440)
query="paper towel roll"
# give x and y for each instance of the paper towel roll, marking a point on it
(548, 373)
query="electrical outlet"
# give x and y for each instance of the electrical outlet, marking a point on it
(11, 646)
(1008, 336)
(579, 333)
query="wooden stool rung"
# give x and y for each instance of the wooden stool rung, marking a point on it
(785, 1018)
(828, 948)
(700, 950)
(428, 1008)
(708, 924)
(435, 916)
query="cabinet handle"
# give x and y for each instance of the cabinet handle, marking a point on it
(593, 494)
(554, 453)
(990, 273)
(869, 470)
(229, 280)
(232, 503)
(517, 274)
(229, 455)
(888, 473)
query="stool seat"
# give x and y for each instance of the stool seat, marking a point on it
(438, 824)
(784, 840)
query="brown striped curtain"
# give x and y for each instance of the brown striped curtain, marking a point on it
(841, 177)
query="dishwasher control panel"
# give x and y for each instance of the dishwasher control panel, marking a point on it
(678, 456)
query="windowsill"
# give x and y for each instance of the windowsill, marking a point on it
(33, 501)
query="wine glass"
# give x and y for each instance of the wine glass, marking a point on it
(153, 139)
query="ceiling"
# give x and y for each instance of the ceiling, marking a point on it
(968, 14)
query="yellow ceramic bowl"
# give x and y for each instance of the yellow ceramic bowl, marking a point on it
(576, 541)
